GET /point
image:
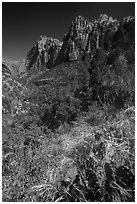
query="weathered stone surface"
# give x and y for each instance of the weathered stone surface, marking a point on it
(43, 53)
(83, 37)
(125, 35)
(104, 29)
(76, 40)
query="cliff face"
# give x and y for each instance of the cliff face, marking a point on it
(43, 53)
(83, 37)
(104, 30)
(125, 35)
(76, 40)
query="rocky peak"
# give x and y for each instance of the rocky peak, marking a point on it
(44, 43)
(105, 19)
(75, 41)
(80, 25)
(43, 53)
(104, 29)
(125, 35)
(127, 19)
(83, 38)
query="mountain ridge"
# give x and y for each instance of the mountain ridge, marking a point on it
(83, 37)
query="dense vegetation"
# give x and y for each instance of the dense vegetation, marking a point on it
(68, 131)
(75, 139)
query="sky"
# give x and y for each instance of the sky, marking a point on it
(23, 23)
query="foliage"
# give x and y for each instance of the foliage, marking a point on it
(68, 132)
(83, 162)
(113, 83)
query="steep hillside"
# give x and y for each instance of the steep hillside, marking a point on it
(69, 116)
(15, 68)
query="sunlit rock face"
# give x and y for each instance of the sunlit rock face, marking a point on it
(103, 32)
(83, 37)
(44, 53)
(76, 40)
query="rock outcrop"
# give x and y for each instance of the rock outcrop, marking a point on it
(83, 37)
(44, 53)
(104, 29)
(125, 35)
(76, 40)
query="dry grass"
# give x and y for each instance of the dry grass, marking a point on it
(88, 163)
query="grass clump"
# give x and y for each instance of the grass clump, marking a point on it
(81, 163)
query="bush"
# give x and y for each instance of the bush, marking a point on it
(84, 162)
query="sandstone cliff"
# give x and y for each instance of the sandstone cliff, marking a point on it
(83, 37)
(43, 53)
